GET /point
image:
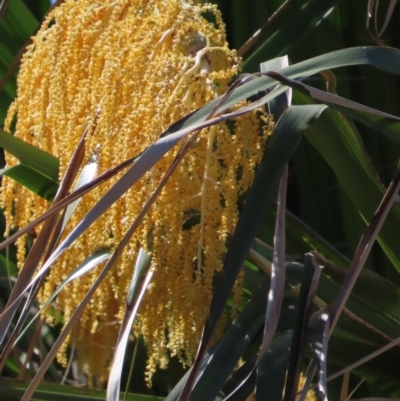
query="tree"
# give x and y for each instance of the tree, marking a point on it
(335, 197)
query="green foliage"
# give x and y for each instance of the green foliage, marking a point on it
(341, 200)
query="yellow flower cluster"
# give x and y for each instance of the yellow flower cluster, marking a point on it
(144, 64)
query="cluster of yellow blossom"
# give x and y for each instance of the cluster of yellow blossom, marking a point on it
(144, 64)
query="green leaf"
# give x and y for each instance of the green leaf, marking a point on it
(39, 160)
(301, 239)
(374, 299)
(33, 180)
(283, 40)
(309, 284)
(242, 383)
(386, 59)
(271, 372)
(12, 390)
(17, 26)
(380, 371)
(231, 347)
(318, 335)
(382, 122)
(7, 269)
(339, 144)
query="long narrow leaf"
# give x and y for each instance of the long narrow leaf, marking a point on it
(318, 333)
(88, 264)
(277, 106)
(340, 146)
(231, 347)
(272, 369)
(276, 291)
(364, 248)
(283, 40)
(33, 180)
(88, 173)
(357, 110)
(386, 59)
(30, 155)
(13, 390)
(140, 280)
(305, 303)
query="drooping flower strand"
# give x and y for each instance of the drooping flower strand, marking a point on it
(144, 64)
